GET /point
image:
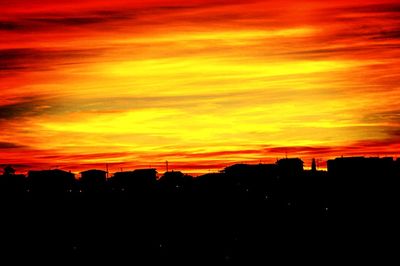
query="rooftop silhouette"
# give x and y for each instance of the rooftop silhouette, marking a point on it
(244, 213)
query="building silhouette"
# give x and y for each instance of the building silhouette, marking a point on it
(361, 186)
(245, 212)
(175, 181)
(51, 182)
(290, 167)
(138, 180)
(12, 184)
(93, 180)
(361, 167)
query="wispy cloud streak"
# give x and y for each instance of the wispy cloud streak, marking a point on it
(200, 83)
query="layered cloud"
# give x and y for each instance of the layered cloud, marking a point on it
(200, 83)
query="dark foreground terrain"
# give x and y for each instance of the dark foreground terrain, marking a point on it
(247, 215)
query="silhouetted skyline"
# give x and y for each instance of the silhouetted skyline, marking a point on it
(111, 168)
(348, 169)
(246, 213)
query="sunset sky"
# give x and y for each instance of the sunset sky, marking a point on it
(202, 84)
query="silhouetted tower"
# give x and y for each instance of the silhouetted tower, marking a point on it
(313, 166)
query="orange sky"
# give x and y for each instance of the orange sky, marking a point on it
(202, 84)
